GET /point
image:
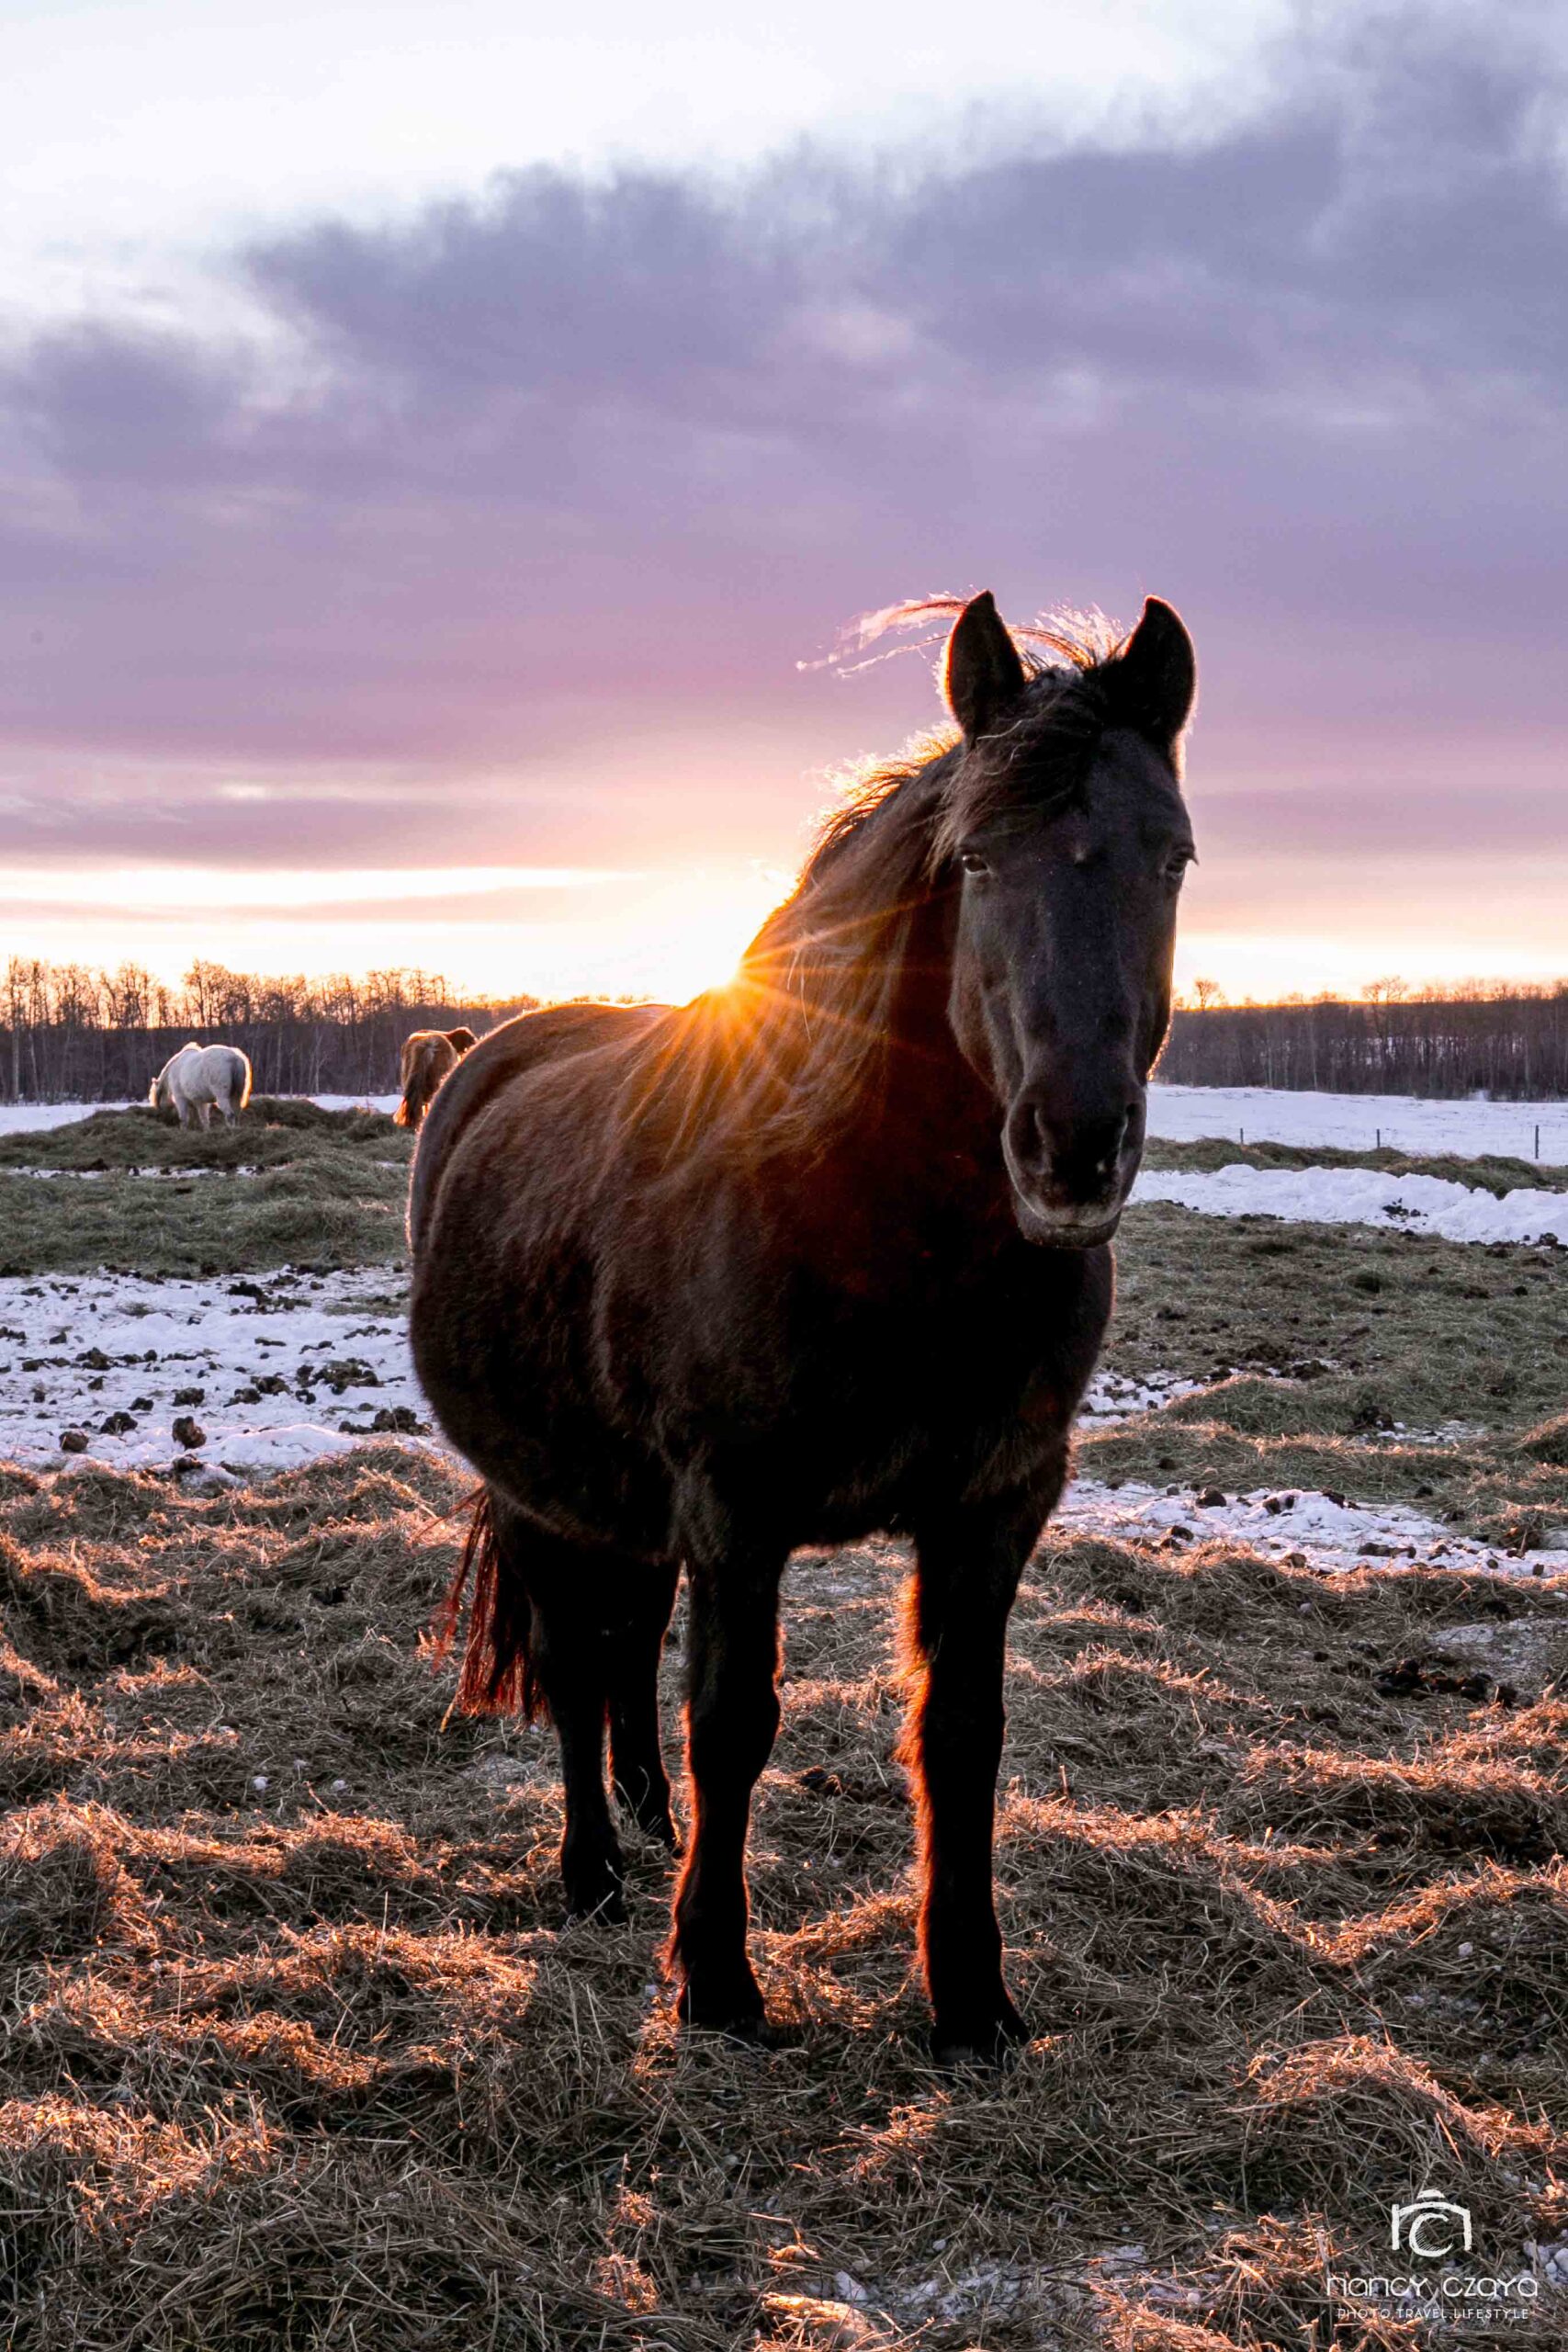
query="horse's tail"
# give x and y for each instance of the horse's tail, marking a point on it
(410, 1110)
(245, 1075)
(500, 1672)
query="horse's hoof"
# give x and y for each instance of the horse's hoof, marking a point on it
(652, 1817)
(604, 1906)
(738, 2014)
(992, 2041)
(747, 2032)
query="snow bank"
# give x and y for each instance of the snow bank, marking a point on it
(1353, 1121)
(1425, 1204)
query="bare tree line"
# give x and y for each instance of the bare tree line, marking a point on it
(68, 1034)
(1510, 1043)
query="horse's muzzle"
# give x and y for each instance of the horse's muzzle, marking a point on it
(1070, 1178)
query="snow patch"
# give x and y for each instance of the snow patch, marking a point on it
(96, 1175)
(1118, 1396)
(290, 1365)
(1306, 1528)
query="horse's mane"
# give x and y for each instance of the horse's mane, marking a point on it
(780, 1058)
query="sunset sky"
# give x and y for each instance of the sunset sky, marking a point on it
(437, 457)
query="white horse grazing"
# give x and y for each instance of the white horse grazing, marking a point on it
(200, 1080)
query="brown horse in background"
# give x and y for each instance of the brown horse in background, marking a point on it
(429, 1055)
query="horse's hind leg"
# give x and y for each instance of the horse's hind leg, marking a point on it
(568, 1650)
(572, 1668)
(636, 1762)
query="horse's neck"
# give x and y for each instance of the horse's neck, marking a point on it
(928, 1132)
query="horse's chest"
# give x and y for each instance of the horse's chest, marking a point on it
(893, 1407)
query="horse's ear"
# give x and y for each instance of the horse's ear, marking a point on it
(1154, 679)
(982, 676)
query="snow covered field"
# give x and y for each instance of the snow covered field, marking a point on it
(290, 1367)
(1181, 1114)
(1363, 1196)
(1354, 1122)
(283, 1368)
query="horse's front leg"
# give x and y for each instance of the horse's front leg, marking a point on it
(967, 1566)
(732, 1715)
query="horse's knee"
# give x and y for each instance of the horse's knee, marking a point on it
(732, 1733)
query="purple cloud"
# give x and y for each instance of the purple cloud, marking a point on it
(532, 504)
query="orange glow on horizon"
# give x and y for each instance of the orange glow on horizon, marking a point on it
(669, 935)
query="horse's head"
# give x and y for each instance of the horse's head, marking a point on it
(1067, 832)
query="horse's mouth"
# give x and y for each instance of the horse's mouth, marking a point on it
(1082, 1228)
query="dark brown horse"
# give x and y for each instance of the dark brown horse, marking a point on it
(429, 1055)
(821, 1252)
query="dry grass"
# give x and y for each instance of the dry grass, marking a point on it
(1411, 1330)
(271, 1132)
(317, 2063)
(325, 1186)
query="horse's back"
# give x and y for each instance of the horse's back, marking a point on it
(498, 1061)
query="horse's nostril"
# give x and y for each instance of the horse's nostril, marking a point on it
(1073, 1158)
(1029, 1139)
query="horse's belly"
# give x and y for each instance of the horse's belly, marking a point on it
(509, 1392)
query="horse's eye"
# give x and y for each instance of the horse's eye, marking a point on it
(1176, 866)
(972, 862)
